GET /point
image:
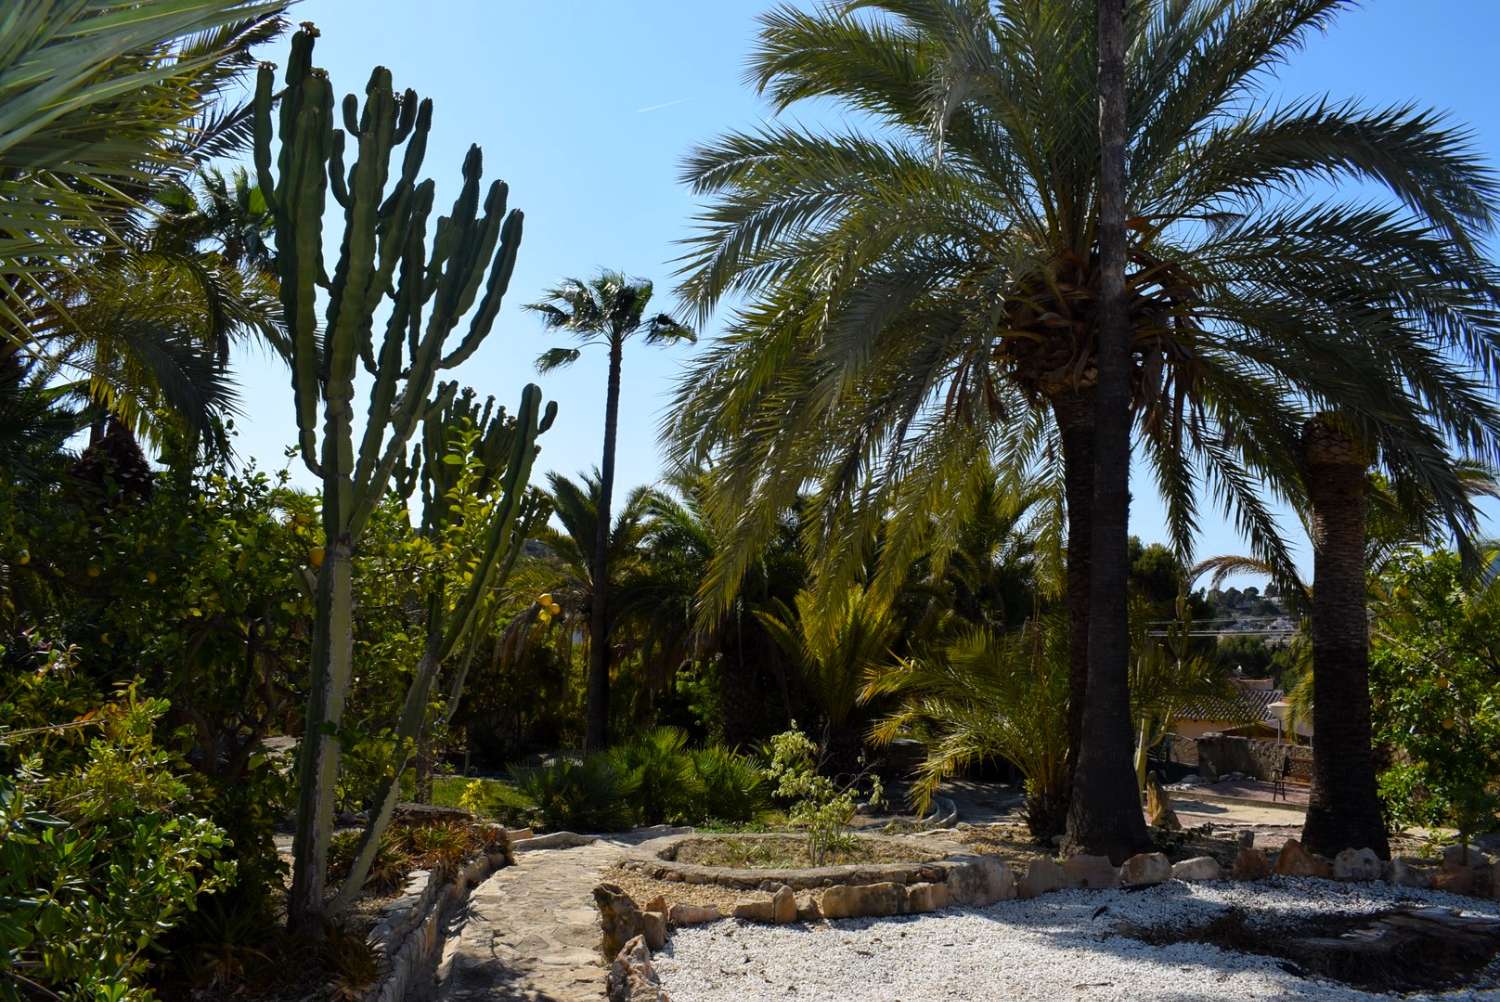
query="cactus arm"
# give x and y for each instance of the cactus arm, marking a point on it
(500, 272)
(305, 199)
(265, 84)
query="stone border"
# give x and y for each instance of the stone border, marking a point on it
(654, 859)
(408, 937)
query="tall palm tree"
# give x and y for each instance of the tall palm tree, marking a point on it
(609, 309)
(1104, 812)
(924, 294)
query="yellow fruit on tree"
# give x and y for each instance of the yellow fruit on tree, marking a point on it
(315, 556)
(544, 616)
(555, 609)
(151, 577)
(23, 558)
(93, 570)
(544, 600)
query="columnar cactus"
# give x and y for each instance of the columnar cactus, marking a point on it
(383, 256)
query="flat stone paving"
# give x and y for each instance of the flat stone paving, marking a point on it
(530, 932)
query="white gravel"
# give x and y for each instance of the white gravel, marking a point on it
(1053, 947)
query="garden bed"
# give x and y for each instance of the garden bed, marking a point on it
(769, 852)
(748, 861)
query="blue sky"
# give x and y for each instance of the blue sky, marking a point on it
(586, 108)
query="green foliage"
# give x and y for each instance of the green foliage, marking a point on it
(666, 782)
(1435, 692)
(100, 859)
(817, 804)
(733, 788)
(593, 795)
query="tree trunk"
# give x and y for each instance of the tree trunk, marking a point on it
(1104, 811)
(1074, 413)
(596, 738)
(1343, 807)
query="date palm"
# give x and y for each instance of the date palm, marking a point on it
(917, 295)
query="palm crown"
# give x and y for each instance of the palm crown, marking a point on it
(609, 307)
(917, 290)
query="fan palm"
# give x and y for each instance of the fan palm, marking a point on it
(929, 292)
(610, 310)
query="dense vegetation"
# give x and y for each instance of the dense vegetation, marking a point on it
(873, 562)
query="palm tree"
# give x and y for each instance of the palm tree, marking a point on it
(610, 309)
(99, 100)
(929, 293)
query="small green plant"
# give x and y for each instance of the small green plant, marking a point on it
(818, 805)
(592, 795)
(472, 798)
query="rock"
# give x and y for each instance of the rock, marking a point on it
(1144, 869)
(1454, 881)
(554, 840)
(654, 928)
(926, 897)
(679, 915)
(632, 978)
(1295, 861)
(1092, 872)
(1159, 813)
(1042, 875)
(808, 910)
(657, 904)
(1246, 840)
(784, 906)
(619, 918)
(1356, 864)
(1404, 873)
(756, 911)
(1250, 864)
(1199, 868)
(845, 901)
(1455, 856)
(978, 881)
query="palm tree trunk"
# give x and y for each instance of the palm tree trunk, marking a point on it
(1074, 413)
(596, 736)
(1104, 811)
(1343, 809)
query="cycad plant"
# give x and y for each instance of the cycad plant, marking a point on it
(923, 292)
(609, 310)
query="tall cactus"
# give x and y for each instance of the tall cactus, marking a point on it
(383, 255)
(498, 470)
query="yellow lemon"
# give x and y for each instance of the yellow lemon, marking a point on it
(555, 609)
(544, 616)
(544, 599)
(315, 556)
(23, 558)
(151, 577)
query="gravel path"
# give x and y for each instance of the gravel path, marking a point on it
(1060, 946)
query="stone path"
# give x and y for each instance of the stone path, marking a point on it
(530, 933)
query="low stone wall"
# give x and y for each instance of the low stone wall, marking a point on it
(1218, 754)
(657, 859)
(408, 938)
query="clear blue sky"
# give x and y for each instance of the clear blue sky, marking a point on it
(586, 107)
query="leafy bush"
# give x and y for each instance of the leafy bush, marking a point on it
(100, 860)
(733, 787)
(818, 805)
(593, 795)
(667, 787)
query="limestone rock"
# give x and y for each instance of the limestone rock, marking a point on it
(784, 906)
(1454, 881)
(1146, 868)
(1295, 861)
(808, 910)
(632, 978)
(1042, 876)
(1356, 864)
(756, 911)
(1159, 811)
(926, 897)
(1454, 856)
(1250, 864)
(1404, 873)
(843, 901)
(657, 904)
(977, 881)
(619, 918)
(1198, 868)
(1092, 872)
(654, 929)
(692, 914)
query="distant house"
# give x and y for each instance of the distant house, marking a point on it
(1255, 710)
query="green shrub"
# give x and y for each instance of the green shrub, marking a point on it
(733, 788)
(593, 795)
(100, 860)
(667, 786)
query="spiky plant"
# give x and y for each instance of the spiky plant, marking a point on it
(921, 293)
